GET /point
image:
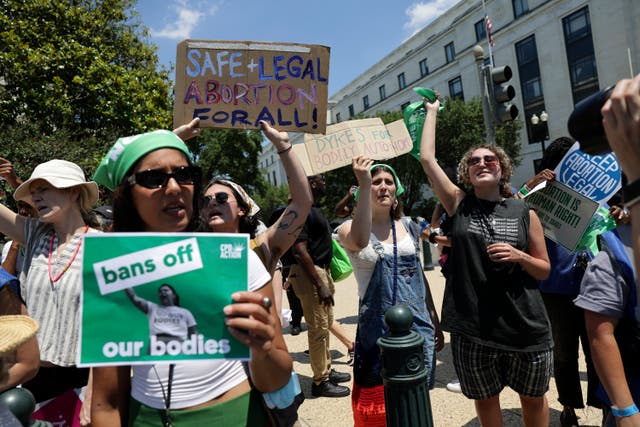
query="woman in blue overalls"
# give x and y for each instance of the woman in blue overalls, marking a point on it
(383, 249)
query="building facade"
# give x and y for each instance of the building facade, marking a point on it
(560, 51)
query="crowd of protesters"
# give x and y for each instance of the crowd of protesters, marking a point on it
(515, 303)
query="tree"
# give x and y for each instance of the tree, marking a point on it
(76, 74)
(231, 153)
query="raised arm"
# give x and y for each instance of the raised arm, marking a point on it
(355, 235)
(188, 131)
(12, 224)
(283, 233)
(8, 173)
(141, 303)
(342, 207)
(446, 191)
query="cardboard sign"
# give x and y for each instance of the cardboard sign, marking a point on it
(564, 213)
(596, 177)
(346, 140)
(158, 297)
(235, 84)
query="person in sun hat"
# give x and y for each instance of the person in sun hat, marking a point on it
(51, 277)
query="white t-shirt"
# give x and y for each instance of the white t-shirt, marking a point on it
(364, 262)
(169, 320)
(199, 381)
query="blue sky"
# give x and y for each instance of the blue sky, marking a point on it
(359, 32)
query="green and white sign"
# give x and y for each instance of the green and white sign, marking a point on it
(564, 213)
(158, 297)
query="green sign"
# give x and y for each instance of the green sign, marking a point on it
(158, 297)
(564, 213)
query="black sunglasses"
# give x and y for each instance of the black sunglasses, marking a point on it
(489, 160)
(220, 198)
(157, 178)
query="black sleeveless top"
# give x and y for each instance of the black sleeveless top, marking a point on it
(494, 304)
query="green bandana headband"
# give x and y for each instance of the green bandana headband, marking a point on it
(399, 187)
(128, 150)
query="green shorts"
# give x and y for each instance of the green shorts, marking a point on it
(246, 410)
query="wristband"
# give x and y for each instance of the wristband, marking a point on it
(624, 412)
(284, 397)
(524, 190)
(631, 193)
(284, 150)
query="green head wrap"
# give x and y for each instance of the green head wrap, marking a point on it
(399, 187)
(128, 150)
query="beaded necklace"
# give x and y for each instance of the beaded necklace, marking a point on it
(66, 267)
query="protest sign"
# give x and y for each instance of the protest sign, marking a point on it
(158, 297)
(235, 84)
(596, 177)
(564, 213)
(345, 140)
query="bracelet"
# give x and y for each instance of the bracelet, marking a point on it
(284, 150)
(524, 190)
(625, 412)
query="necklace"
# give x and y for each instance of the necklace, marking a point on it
(66, 267)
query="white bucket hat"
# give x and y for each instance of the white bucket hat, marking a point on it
(60, 174)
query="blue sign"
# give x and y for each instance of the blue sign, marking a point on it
(596, 177)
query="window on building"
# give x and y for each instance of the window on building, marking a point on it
(481, 30)
(383, 92)
(531, 88)
(351, 112)
(402, 83)
(580, 54)
(337, 117)
(275, 182)
(450, 52)
(455, 88)
(424, 68)
(520, 7)
(365, 101)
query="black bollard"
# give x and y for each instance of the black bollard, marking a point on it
(406, 392)
(20, 402)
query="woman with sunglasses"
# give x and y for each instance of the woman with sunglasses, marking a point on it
(383, 249)
(500, 332)
(51, 276)
(229, 209)
(156, 188)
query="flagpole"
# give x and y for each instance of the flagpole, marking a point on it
(486, 28)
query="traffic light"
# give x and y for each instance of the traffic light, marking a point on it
(502, 93)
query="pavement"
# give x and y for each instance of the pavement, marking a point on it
(447, 408)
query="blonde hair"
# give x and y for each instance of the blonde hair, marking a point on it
(506, 170)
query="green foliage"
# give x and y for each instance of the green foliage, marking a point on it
(231, 153)
(76, 75)
(271, 198)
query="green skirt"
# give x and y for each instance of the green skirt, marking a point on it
(246, 410)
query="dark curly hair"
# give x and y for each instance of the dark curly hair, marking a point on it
(505, 168)
(555, 152)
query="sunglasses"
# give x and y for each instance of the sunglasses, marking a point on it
(489, 160)
(220, 198)
(157, 178)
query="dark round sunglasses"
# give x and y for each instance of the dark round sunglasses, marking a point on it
(157, 178)
(220, 198)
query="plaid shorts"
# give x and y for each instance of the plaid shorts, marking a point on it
(484, 371)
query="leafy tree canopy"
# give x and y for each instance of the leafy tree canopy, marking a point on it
(76, 74)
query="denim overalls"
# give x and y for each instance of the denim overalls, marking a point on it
(379, 298)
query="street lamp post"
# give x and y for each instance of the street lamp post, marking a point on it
(541, 121)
